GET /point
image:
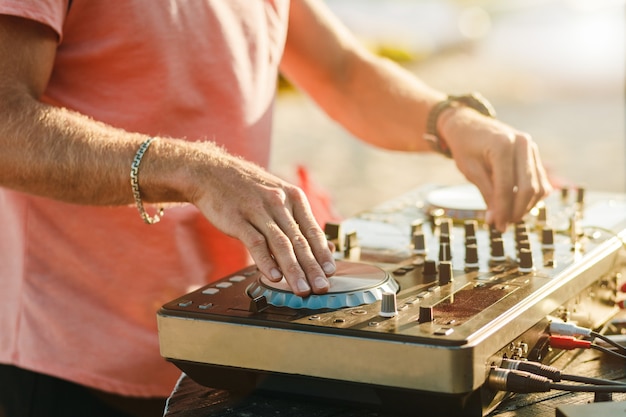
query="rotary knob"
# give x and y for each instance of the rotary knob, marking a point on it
(419, 243)
(580, 196)
(445, 272)
(525, 261)
(497, 250)
(426, 314)
(471, 257)
(388, 306)
(445, 226)
(523, 244)
(430, 270)
(521, 231)
(470, 231)
(494, 233)
(547, 238)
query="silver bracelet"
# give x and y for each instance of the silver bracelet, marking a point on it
(134, 183)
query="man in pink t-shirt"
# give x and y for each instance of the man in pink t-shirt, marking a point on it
(111, 110)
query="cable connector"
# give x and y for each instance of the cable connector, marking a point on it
(568, 343)
(568, 329)
(533, 367)
(517, 381)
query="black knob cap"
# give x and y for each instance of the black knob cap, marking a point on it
(580, 195)
(445, 226)
(470, 228)
(471, 256)
(430, 270)
(445, 272)
(521, 231)
(419, 243)
(497, 249)
(523, 244)
(525, 260)
(547, 237)
(426, 314)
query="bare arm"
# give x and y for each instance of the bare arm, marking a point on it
(374, 98)
(64, 155)
(387, 106)
(36, 157)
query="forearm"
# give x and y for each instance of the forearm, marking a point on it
(376, 99)
(392, 104)
(60, 154)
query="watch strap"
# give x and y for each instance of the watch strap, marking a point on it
(474, 101)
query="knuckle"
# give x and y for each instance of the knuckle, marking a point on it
(527, 191)
(502, 143)
(296, 194)
(255, 241)
(314, 232)
(281, 243)
(300, 242)
(276, 197)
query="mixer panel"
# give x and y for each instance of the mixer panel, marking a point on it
(426, 298)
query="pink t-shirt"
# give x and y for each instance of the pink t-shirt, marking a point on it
(79, 285)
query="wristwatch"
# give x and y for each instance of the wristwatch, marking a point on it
(474, 101)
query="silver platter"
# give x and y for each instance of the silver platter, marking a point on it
(458, 202)
(352, 285)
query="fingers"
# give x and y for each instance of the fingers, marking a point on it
(271, 217)
(531, 180)
(503, 163)
(519, 180)
(290, 243)
(502, 199)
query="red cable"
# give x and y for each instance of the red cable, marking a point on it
(569, 343)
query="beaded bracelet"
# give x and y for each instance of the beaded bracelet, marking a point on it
(134, 183)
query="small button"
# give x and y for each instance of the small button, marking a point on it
(237, 278)
(205, 306)
(224, 284)
(185, 303)
(444, 331)
(210, 291)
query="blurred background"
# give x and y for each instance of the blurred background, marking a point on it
(553, 68)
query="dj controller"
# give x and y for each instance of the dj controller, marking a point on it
(426, 301)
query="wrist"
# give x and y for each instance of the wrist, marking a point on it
(444, 110)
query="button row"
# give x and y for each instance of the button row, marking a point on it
(212, 291)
